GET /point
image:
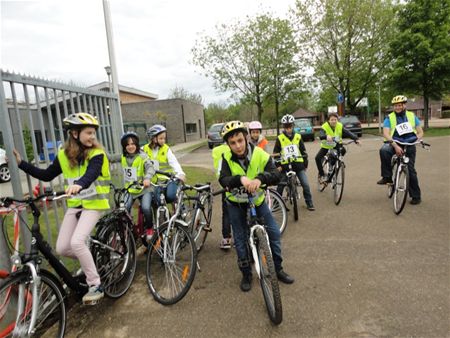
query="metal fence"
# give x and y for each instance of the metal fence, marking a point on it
(32, 111)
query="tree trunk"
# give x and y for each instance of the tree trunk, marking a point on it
(425, 111)
(277, 114)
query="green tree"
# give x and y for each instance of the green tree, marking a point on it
(250, 59)
(181, 93)
(345, 42)
(421, 49)
(28, 143)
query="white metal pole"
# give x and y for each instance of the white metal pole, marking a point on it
(118, 126)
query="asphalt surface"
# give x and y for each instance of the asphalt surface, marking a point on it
(360, 270)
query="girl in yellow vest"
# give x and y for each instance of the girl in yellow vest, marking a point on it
(163, 159)
(331, 131)
(85, 168)
(137, 167)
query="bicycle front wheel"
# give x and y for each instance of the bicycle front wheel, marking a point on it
(401, 188)
(338, 182)
(268, 278)
(117, 262)
(171, 263)
(278, 208)
(16, 306)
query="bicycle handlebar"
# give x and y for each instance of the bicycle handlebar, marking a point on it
(412, 143)
(7, 201)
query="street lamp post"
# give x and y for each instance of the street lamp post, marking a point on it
(108, 72)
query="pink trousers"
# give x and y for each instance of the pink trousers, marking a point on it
(72, 240)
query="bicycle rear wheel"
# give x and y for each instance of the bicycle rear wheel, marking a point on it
(16, 305)
(401, 188)
(202, 221)
(268, 278)
(117, 262)
(171, 264)
(338, 182)
(278, 208)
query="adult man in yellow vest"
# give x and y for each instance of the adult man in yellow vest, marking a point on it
(245, 165)
(404, 126)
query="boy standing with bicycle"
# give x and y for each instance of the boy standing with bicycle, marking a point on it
(247, 166)
(290, 144)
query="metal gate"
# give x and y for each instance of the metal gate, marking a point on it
(31, 114)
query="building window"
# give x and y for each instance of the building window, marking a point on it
(191, 128)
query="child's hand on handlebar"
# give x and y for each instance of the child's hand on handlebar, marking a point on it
(73, 189)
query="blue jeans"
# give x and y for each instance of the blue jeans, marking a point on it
(237, 213)
(170, 192)
(146, 206)
(226, 227)
(301, 174)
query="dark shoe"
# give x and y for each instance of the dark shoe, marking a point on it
(310, 206)
(284, 277)
(246, 282)
(385, 180)
(415, 201)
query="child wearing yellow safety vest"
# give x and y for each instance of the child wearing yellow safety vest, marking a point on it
(331, 134)
(85, 168)
(247, 166)
(137, 167)
(163, 159)
(290, 145)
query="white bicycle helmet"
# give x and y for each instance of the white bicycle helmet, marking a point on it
(155, 130)
(255, 125)
(287, 119)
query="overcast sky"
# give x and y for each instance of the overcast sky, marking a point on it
(66, 40)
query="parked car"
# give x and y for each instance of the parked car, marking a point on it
(5, 175)
(304, 128)
(214, 137)
(352, 123)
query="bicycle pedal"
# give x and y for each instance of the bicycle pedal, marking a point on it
(198, 266)
(208, 229)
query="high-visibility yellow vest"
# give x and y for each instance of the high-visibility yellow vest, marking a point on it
(97, 195)
(256, 166)
(138, 167)
(161, 159)
(409, 116)
(286, 142)
(217, 153)
(337, 132)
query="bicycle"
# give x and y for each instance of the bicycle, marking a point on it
(292, 184)
(172, 257)
(259, 247)
(278, 207)
(333, 164)
(32, 299)
(199, 217)
(400, 186)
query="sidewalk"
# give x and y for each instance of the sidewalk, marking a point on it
(182, 149)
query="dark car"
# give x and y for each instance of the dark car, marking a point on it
(214, 137)
(352, 123)
(304, 128)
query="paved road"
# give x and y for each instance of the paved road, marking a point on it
(360, 270)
